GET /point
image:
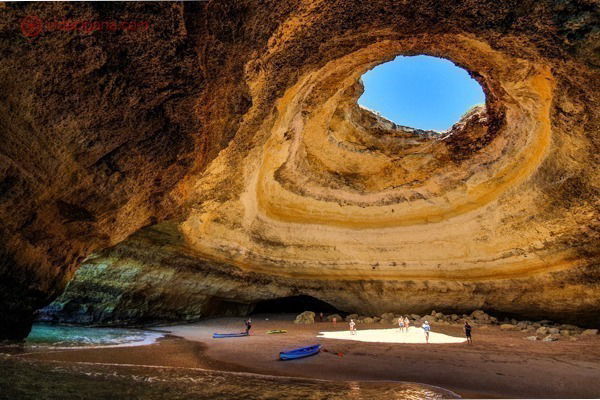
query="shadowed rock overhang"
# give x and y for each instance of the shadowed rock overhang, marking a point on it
(236, 123)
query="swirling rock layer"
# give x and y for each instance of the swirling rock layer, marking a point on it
(238, 122)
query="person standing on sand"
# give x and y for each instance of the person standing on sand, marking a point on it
(468, 332)
(321, 317)
(426, 328)
(352, 327)
(248, 326)
(401, 324)
(406, 324)
(334, 320)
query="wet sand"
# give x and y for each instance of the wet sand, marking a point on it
(498, 364)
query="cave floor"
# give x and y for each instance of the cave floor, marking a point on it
(497, 364)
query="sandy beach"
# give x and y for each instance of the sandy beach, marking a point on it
(497, 364)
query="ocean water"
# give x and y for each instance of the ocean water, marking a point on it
(61, 336)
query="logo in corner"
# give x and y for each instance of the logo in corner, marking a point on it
(31, 26)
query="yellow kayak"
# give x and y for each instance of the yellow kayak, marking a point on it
(277, 331)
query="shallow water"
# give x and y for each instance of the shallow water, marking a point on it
(61, 336)
(30, 380)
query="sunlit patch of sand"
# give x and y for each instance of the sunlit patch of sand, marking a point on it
(414, 335)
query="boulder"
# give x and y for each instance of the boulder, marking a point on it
(554, 331)
(565, 332)
(415, 317)
(551, 338)
(532, 338)
(387, 316)
(481, 317)
(337, 317)
(590, 332)
(351, 316)
(307, 317)
(570, 327)
(509, 327)
(542, 330)
(368, 320)
(454, 317)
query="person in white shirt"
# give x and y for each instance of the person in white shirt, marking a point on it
(352, 327)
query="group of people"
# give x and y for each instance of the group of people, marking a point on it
(404, 324)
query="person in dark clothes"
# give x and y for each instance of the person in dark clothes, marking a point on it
(468, 332)
(248, 326)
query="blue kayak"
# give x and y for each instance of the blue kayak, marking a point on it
(300, 352)
(227, 335)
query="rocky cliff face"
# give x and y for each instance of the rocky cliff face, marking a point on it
(237, 122)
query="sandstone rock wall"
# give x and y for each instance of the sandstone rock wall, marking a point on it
(237, 121)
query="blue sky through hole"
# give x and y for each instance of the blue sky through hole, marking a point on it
(421, 92)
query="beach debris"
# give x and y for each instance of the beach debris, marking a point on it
(339, 354)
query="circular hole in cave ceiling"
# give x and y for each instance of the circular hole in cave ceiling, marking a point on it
(421, 92)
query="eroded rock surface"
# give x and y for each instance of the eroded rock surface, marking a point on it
(237, 122)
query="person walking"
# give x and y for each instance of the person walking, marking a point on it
(406, 324)
(468, 332)
(401, 324)
(426, 329)
(248, 326)
(352, 327)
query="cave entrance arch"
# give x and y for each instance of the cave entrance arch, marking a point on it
(294, 304)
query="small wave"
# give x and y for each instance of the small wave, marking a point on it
(71, 337)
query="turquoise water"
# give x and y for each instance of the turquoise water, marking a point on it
(74, 336)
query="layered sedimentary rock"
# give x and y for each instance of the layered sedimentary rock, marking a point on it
(237, 121)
